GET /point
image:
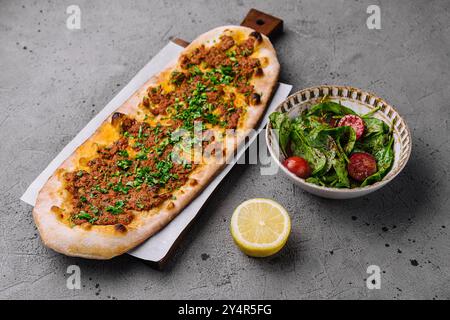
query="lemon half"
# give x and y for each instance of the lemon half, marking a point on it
(260, 227)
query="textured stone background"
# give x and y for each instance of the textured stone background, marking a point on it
(53, 80)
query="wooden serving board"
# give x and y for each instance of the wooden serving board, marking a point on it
(264, 23)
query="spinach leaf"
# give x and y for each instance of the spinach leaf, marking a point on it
(385, 158)
(374, 126)
(282, 124)
(316, 180)
(301, 148)
(328, 180)
(331, 178)
(330, 155)
(373, 143)
(330, 107)
(340, 167)
(318, 138)
(322, 142)
(310, 124)
(340, 134)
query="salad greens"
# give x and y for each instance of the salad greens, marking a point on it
(316, 137)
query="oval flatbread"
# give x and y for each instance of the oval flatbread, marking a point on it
(158, 150)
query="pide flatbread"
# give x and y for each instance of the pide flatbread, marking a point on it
(158, 150)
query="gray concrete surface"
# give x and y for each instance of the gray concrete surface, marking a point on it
(53, 80)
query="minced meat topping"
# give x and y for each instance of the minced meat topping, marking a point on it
(139, 170)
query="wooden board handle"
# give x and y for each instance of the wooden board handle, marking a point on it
(264, 23)
(180, 42)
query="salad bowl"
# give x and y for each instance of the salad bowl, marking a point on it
(359, 101)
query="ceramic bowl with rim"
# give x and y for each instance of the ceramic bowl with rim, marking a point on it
(361, 102)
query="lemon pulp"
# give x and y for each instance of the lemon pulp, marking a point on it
(260, 227)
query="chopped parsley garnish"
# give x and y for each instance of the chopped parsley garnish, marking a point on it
(123, 153)
(159, 177)
(141, 156)
(92, 220)
(162, 146)
(196, 71)
(121, 188)
(212, 118)
(100, 189)
(232, 55)
(140, 205)
(157, 129)
(117, 208)
(83, 215)
(187, 166)
(124, 164)
(94, 210)
(177, 77)
(197, 108)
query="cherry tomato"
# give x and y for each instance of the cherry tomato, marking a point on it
(355, 122)
(361, 165)
(298, 166)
